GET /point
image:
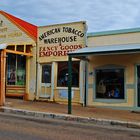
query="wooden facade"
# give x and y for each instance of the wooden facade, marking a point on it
(45, 66)
(54, 42)
(20, 39)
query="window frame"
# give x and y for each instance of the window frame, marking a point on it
(117, 100)
(75, 87)
(47, 64)
(16, 72)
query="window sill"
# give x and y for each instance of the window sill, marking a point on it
(16, 86)
(109, 100)
(73, 88)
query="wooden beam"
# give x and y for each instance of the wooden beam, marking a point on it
(2, 77)
(17, 52)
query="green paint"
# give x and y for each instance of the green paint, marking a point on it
(110, 101)
(69, 84)
(114, 32)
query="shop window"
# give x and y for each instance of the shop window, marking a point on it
(16, 65)
(11, 47)
(46, 73)
(20, 48)
(28, 48)
(62, 77)
(110, 83)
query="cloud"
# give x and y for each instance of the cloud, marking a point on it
(100, 14)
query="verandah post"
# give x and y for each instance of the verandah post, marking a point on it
(69, 84)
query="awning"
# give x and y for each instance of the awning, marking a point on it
(3, 46)
(106, 50)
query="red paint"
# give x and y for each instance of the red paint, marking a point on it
(30, 29)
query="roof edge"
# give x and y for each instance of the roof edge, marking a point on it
(113, 32)
(8, 16)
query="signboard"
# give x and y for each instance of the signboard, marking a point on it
(58, 40)
(63, 93)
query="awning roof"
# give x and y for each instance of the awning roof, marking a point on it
(106, 50)
(3, 46)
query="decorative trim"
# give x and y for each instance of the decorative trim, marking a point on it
(111, 101)
(136, 93)
(114, 32)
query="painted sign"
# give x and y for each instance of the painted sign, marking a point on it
(4, 32)
(58, 40)
(11, 33)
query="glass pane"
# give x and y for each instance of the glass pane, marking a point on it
(11, 47)
(21, 67)
(28, 48)
(110, 83)
(11, 69)
(46, 74)
(16, 65)
(20, 48)
(62, 78)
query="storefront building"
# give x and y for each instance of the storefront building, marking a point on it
(113, 69)
(34, 63)
(18, 57)
(54, 42)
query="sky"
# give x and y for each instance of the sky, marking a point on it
(100, 15)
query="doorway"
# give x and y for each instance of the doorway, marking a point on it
(46, 81)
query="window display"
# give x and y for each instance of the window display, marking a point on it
(62, 79)
(110, 83)
(16, 65)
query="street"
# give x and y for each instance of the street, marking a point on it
(18, 128)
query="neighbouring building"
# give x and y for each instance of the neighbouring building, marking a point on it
(18, 57)
(113, 68)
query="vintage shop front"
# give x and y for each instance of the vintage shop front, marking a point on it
(113, 69)
(18, 53)
(112, 77)
(54, 42)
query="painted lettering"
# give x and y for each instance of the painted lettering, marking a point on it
(60, 40)
(48, 33)
(57, 50)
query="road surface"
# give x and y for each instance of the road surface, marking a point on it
(17, 128)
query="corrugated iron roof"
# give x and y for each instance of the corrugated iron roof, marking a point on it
(28, 28)
(105, 50)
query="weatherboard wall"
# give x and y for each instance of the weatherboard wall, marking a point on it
(127, 61)
(13, 34)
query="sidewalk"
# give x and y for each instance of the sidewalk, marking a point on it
(77, 111)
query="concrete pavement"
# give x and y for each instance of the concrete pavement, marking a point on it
(79, 113)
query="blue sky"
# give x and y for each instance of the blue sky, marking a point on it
(101, 15)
